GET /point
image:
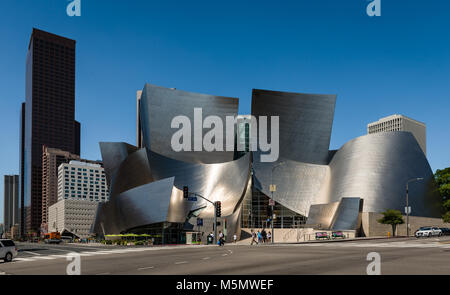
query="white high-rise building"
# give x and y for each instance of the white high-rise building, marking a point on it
(401, 123)
(82, 181)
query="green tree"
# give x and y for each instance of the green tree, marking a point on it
(442, 180)
(392, 217)
(446, 217)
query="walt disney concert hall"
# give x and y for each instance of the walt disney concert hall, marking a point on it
(314, 185)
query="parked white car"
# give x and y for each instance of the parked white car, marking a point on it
(8, 250)
(428, 231)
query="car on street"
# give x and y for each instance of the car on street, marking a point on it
(428, 231)
(445, 231)
(8, 250)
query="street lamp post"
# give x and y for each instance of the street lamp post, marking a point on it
(407, 202)
(273, 188)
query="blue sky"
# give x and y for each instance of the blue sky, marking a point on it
(396, 63)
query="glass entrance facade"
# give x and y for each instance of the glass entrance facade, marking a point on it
(256, 213)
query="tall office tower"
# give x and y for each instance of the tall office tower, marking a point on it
(401, 123)
(11, 199)
(22, 170)
(51, 160)
(49, 117)
(139, 130)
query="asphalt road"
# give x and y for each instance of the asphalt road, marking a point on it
(398, 257)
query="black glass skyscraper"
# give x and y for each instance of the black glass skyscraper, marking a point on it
(48, 116)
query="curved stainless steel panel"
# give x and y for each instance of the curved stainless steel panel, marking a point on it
(225, 182)
(146, 189)
(152, 203)
(376, 168)
(321, 215)
(113, 154)
(305, 123)
(134, 171)
(297, 183)
(160, 105)
(348, 214)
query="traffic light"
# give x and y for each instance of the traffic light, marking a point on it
(185, 192)
(218, 209)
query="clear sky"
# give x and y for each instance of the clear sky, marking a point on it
(396, 63)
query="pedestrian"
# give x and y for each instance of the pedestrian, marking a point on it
(221, 239)
(235, 238)
(269, 237)
(264, 235)
(253, 238)
(259, 237)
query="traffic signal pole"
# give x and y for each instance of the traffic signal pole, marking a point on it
(186, 193)
(215, 224)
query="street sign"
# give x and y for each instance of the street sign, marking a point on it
(271, 202)
(408, 210)
(272, 188)
(199, 222)
(192, 199)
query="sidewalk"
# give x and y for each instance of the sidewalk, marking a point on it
(400, 238)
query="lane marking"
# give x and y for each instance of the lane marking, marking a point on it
(23, 259)
(225, 254)
(181, 262)
(44, 258)
(86, 254)
(206, 258)
(144, 268)
(59, 256)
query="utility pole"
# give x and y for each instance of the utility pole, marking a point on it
(273, 188)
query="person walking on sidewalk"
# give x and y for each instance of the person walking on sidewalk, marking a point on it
(254, 241)
(221, 241)
(264, 235)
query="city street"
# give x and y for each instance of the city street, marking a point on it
(398, 256)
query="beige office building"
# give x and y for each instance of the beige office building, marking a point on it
(51, 160)
(401, 123)
(72, 216)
